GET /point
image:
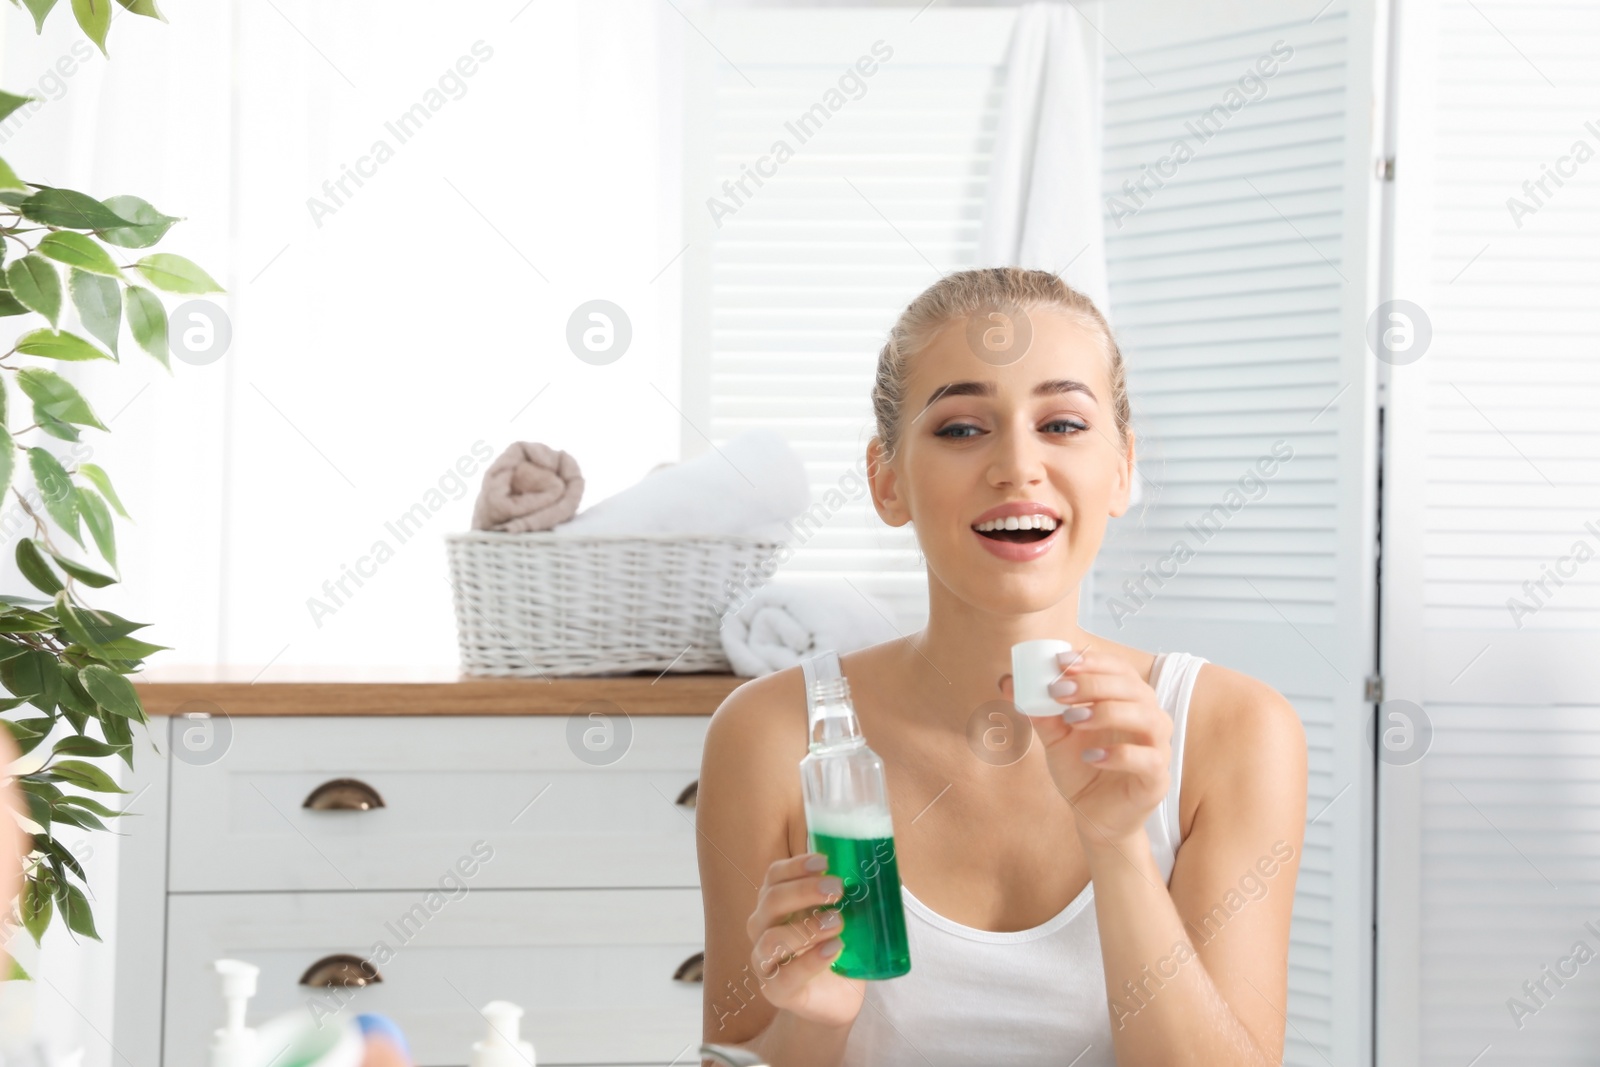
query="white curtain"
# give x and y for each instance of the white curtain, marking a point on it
(1043, 202)
(1042, 206)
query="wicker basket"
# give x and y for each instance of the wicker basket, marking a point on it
(543, 604)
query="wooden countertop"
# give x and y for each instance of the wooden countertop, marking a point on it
(642, 694)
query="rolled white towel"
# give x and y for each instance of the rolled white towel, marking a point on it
(752, 485)
(782, 623)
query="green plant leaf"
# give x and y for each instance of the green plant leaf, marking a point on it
(70, 621)
(26, 739)
(25, 675)
(25, 622)
(84, 775)
(128, 649)
(98, 518)
(9, 102)
(70, 816)
(72, 694)
(8, 453)
(79, 918)
(53, 344)
(84, 574)
(107, 627)
(149, 225)
(143, 7)
(56, 397)
(147, 318)
(99, 303)
(102, 482)
(56, 428)
(119, 732)
(78, 250)
(176, 274)
(10, 305)
(55, 206)
(34, 282)
(60, 497)
(17, 973)
(36, 906)
(34, 727)
(39, 9)
(90, 804)
(9, 180)
(111, 691)
(30, 561)
(82, 746)
(94, 17)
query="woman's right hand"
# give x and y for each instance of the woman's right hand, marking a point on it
(795, 939)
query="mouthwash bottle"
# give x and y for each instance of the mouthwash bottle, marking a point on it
(847, 820)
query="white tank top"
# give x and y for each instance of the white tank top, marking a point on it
(1025, 998)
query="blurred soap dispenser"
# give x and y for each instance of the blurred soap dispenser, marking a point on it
(235, 1044)
(501, 1046)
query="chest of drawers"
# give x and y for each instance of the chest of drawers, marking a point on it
(418, 865)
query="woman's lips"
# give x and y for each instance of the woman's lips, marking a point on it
(1019, 551)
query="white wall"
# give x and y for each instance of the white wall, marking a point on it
(370, 353)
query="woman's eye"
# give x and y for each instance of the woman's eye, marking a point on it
(1074, 423)
(945, 432)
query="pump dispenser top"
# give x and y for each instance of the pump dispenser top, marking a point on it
(502, 1047)
(235, 1044)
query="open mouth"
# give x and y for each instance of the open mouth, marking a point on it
(1037, 528)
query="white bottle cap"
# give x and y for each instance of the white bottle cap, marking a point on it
(1033, 668)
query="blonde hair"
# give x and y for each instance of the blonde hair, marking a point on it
(962, 295)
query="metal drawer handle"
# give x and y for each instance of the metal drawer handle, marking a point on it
(690, 794)
(341, 970)
(343, 794)
(692, 969)
(731, 1056)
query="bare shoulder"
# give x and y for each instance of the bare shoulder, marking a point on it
(754, 741)
(764, 713)
(1244, 743)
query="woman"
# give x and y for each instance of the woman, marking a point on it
(1052, 917)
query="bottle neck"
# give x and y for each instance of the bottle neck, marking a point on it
(833, 717)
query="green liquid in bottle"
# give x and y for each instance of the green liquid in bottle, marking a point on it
(874, 932)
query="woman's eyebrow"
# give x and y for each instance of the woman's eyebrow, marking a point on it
(1049, 387)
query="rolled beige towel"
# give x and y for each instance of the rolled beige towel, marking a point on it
(530, 487)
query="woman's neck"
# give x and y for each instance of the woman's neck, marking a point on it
(962, 652)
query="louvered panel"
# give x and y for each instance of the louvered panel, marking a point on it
(1228, 283)
(806, 276)
(1496, 476)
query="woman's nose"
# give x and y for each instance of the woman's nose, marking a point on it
(1018, 459)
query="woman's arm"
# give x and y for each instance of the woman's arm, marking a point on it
(1199, 974)
(749, 783)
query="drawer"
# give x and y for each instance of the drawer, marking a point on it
(592, 968)
(553, 820)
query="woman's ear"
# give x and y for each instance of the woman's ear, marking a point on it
(1123, 490)
(883, 481)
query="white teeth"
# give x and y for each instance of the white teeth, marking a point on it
(1019, 522)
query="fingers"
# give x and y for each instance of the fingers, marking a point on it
(792, 885)
(790, 954)
(784, 975)
(1136, 722)
(792, 923)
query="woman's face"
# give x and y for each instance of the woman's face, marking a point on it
(1040, 429)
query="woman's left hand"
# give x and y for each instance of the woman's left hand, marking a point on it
(1125, 727)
